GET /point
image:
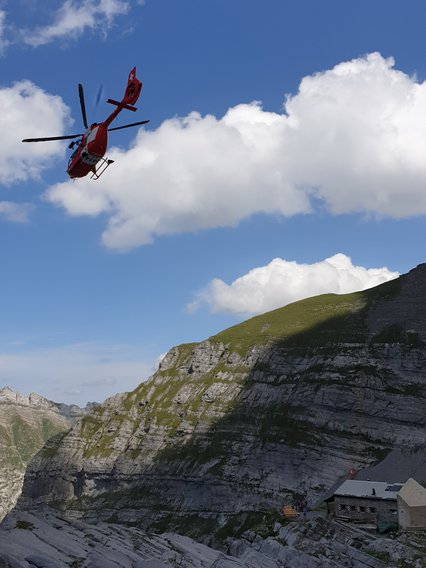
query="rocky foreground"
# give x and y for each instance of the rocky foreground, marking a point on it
(53, 541)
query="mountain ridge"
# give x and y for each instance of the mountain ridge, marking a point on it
(26, 423)
(9, 395)
(275, 408)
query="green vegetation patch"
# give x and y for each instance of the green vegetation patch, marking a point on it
(383, 556)
(200, 449)
(324, 316)
(101, 448)
(262, 522)
(48, 429)
(193, 525)
(198, 526)
(50, 449)
(89, 426)
(78, 563)
(26, 439)
(25, 525)
(5, 436)
(185, 353)
(328, 318)
(280, 423)
(100, 434)
(395, 333)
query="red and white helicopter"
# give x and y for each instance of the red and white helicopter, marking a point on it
(89, 154)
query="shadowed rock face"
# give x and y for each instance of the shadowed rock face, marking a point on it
(26, 423)
(282, 404)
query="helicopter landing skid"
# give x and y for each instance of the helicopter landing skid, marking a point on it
(101, 166)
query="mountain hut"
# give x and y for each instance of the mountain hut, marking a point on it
(412, 506)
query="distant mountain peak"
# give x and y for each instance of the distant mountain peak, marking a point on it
(9, 396)
(34, 400)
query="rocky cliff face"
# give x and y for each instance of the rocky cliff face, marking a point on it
(227, 429)
(26, 423)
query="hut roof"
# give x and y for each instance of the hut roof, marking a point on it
(370, 489)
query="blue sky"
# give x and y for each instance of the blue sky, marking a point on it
(282, 134)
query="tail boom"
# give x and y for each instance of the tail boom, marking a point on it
(131, 95)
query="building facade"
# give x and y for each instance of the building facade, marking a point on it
(411, 503)
(370, 502)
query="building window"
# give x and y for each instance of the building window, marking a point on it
(362, 509)
(352, 508)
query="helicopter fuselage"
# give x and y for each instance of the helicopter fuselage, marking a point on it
(91, 149)
(92, 145)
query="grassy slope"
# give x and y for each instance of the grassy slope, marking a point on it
(22, 434)
(21, 437)
(320, 319)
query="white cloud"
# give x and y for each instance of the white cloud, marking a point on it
(74, 17)
(3, 40)
(353, 137)
(282, 282)
(28, 111)
(191, 174)
(75, 373)
(15, 212)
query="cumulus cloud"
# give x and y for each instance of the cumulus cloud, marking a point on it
(75, 373)
(28, 111)
(75, 17)
(192, 173)
(282, 282)
(15, 212)
(352, 139)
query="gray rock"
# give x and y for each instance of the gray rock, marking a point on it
(47, 541)
(26, 423)
(280, 406)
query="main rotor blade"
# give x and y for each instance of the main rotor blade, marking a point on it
(83, 106)
(52, 138)
(128, 125)
(99, 95)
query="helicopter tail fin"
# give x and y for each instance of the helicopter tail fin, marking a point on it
(131, 94)
(133, 89)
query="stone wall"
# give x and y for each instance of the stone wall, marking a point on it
(411, 517)
(365, 509)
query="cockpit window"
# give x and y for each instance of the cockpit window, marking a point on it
(73, 155)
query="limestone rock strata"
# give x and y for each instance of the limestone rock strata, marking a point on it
(26, 423)
(27, 540)
(281, 405)
(54, 541)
